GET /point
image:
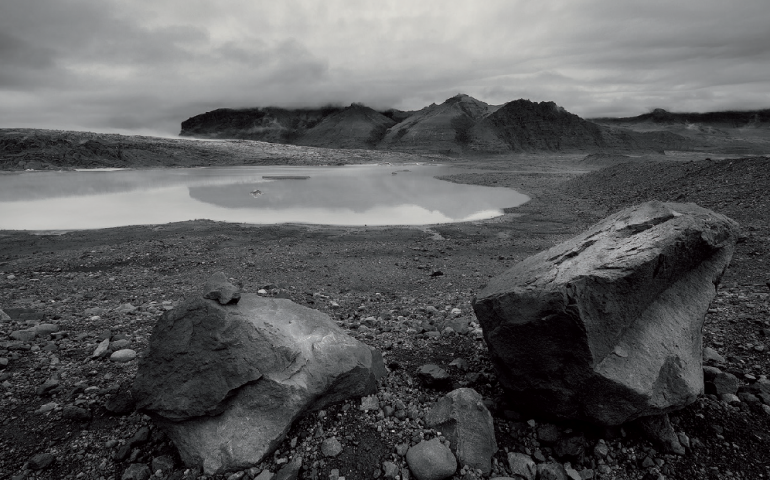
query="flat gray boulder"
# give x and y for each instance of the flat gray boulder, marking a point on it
(606, 327)
(226, 381)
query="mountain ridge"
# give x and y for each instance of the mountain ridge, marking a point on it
(463, 125)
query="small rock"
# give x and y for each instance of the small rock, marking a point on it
(72, 412)
(431, 460)
(121, 403)
(220, 289)
(4, 317)
(547, 433)
(123, 356)
(24, 335)
(119, 344)
(522, 465)
(712, 356)
(94, 311)
(102, 349)
(551, 471)
(601, 450)
(572, 446)
(164, 463)
(126, 308)
(464, 420)
(572, 474)
(587, 474)
(749, 398)
(710, 373)
(370, 403)
(140, 437)
(136, 471)
(264, 475)
(3, 362)
(290, 471)
(659, 430)
(724, 383)
(460, 363)
(729, 398)
(45, 329)
(390, 469)
(331, 447)
(47, 386)
(41, 461)
(435, 377)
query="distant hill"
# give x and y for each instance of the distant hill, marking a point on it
(729, 119)
(463, 125)
(441, 128)
(269, 124)
(729, 132)
(356, 126)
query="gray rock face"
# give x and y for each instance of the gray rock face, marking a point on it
(464, 420)
(226, 381)
(606, 326)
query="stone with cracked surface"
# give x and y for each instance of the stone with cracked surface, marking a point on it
(606, 327)
(226, 381)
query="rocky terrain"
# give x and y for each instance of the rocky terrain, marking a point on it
(66, 408)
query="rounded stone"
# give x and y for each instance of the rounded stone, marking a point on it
(331, 447)
(431, 460)
(136, 471)
(123, 356)
(40, 461)
(522, 466)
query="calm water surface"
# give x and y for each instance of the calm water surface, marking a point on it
(349, 195)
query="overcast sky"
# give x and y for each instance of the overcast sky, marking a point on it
(144, 66)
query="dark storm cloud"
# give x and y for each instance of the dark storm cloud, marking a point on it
(145, 65)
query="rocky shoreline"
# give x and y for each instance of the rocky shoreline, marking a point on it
(67, 414)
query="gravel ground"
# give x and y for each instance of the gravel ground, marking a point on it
(395, 289)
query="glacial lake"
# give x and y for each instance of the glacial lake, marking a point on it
(341, 195)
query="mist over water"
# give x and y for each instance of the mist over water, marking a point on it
(351, 195)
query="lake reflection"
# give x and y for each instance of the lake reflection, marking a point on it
(349, 195)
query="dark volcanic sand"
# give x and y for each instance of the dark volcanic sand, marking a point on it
(382, 272)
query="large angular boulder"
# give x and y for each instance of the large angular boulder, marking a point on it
(226, 381)
(606, 326)
(464, 420)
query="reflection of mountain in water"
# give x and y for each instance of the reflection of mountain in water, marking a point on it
(42, 185)
(362, 193)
